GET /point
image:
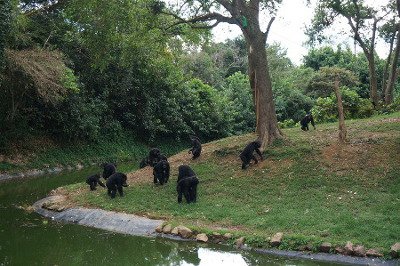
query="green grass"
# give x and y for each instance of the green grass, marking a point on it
(309, 187)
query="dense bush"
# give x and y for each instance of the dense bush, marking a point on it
(325, 109)
(240, 105)
(203, 110)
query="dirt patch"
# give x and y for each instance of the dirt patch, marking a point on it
(357, 156)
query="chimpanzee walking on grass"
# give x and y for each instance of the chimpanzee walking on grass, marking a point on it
(307, 119)
(247, 154)
(115, 183)
(187, 184)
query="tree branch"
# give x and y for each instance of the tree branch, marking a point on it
(268, 27)
(202, 18)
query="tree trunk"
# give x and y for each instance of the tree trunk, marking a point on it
(387, 64)
(266, 120)
(342, 126)
(393, 71)
(373, 93)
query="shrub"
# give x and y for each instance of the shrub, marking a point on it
(325, 109)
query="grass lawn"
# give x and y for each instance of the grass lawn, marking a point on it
(309, 187)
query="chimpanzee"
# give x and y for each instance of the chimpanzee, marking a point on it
(196, 149)
(155, 156)
(115, 182)
(307, 119)
(161, 172)
(247, 154)
(109, 169)
(93, 180)
(187, 184)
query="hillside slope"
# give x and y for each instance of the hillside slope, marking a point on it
(309, 187)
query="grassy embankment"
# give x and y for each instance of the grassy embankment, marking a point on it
(309, 187)
(42, 153)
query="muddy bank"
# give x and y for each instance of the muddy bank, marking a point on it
(141, 226)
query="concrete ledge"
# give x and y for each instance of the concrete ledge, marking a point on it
(107, 220)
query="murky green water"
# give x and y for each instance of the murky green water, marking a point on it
(29, 239)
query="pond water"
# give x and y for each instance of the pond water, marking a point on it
(29, 239)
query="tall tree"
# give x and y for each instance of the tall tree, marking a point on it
(246, 15)
(388, 89)
(363, 21)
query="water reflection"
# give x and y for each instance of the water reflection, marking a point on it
(212, 257)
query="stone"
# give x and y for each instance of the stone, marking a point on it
(359, 251)
(340, 250)
(184, 231)
(159, 228)
(239, 242)
(348, 248)
(325, 247)
(373, 253)
(228, 236)
(217, 237)
(307, 247)
(202, 238)
(175, 231)
(276, 239)
(167, 229)
(395, 250)
(56, 203)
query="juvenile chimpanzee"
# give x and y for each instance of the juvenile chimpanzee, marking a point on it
(109, 169)
(161, 172)
(307, 119)
(196, 149)
(93, 180)
(247, 154)
(187, 184)
(115, 182)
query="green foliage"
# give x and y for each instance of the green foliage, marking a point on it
(322, 83)
(69, 80)
(325, 109)
(5, 21)
(239, 103)
(342, 58)
(202, 109)
(287, 123)
(291, 104)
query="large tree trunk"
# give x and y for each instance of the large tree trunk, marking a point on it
(260, 80)
(342, 126)
(393, 71)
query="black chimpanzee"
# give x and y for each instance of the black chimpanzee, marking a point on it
(307, 119)
(161, 172)
(196, 149)
(155, 156)
(93, 180)
(247, 154)
(109, 169)
(187, 184)
(115, 182)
